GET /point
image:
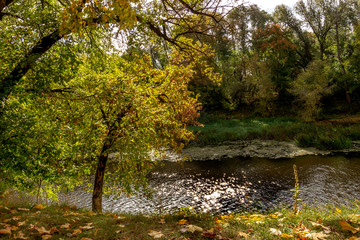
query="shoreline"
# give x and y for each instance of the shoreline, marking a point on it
(270, 149)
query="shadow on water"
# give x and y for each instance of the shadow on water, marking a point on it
(232, 185)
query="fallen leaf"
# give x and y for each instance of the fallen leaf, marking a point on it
(162, 221)
(354, 238)
(85, 238)
(209, 234)
(42, 230)
(14, 228)
(39, 207)
(54, 230)
(21, 223)
(243, 235)
(347, 226)
(87, 227)
(317, 236)
(65, 226)
(193, 228)
(24, 209)
(20, 235)
(119, 231)
(274, 231)
(45, 237)
(338, 210)
(156, 234)
(284, 235)
(76, 232)
(12, 211)
(5, 231)
(182, 222)
(16, 218)
(120, 225)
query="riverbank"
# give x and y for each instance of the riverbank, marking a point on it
(20, 220)
(331, 134)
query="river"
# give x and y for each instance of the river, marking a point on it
(232, 185)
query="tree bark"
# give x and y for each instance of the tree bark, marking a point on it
(8, 83)
(99, 181)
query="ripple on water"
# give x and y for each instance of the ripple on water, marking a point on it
(232, 185)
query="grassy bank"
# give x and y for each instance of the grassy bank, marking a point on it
(322, 135)
(20, 220)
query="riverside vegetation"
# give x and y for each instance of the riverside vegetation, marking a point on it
(323, 135)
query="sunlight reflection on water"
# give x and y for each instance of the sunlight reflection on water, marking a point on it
(231, 185)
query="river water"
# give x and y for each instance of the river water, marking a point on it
(231, 185)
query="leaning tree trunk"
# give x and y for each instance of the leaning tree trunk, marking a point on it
(99, 181)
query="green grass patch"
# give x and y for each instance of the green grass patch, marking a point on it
(322, 136)
(19, 221)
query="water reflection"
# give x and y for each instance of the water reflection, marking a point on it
(232, 185)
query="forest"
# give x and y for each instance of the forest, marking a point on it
(93, 91)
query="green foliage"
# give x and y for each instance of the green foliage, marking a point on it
(309, 87)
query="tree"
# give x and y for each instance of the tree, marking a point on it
(314, 14)
(48, 22)
(310, 86)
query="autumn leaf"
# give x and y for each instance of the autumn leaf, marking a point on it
(76, 232)
(20, 235)
(5, 231)
(21, 223)
(87, 227)
(39, 206)
(162, 221)
(284, 235)
(243, 235)
(182, 222)
(85, 238)
(155, 234)
(42, 230)
(354, 238)
(347, 226)
(24, 209)
(317, 236)
(16, 218)
(275, 232)
(65, 226)
(209, 234)
(338, 210)
(193, 228)
(45, 237)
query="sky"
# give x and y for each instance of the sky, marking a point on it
(269, 5)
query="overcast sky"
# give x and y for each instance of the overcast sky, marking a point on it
(269, 5)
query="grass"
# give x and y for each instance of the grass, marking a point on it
(322, 136)
(64, 222)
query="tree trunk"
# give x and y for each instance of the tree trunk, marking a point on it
(8, 83)
(99, 181)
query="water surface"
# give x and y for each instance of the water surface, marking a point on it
(231, 185)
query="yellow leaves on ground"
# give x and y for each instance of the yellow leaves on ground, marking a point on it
(155, 234)
(338, 210)
(182, 222)
(354, 238)
(284, 235)
(347, 226)
(85, 238)
(317, 236)
(39, 207)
